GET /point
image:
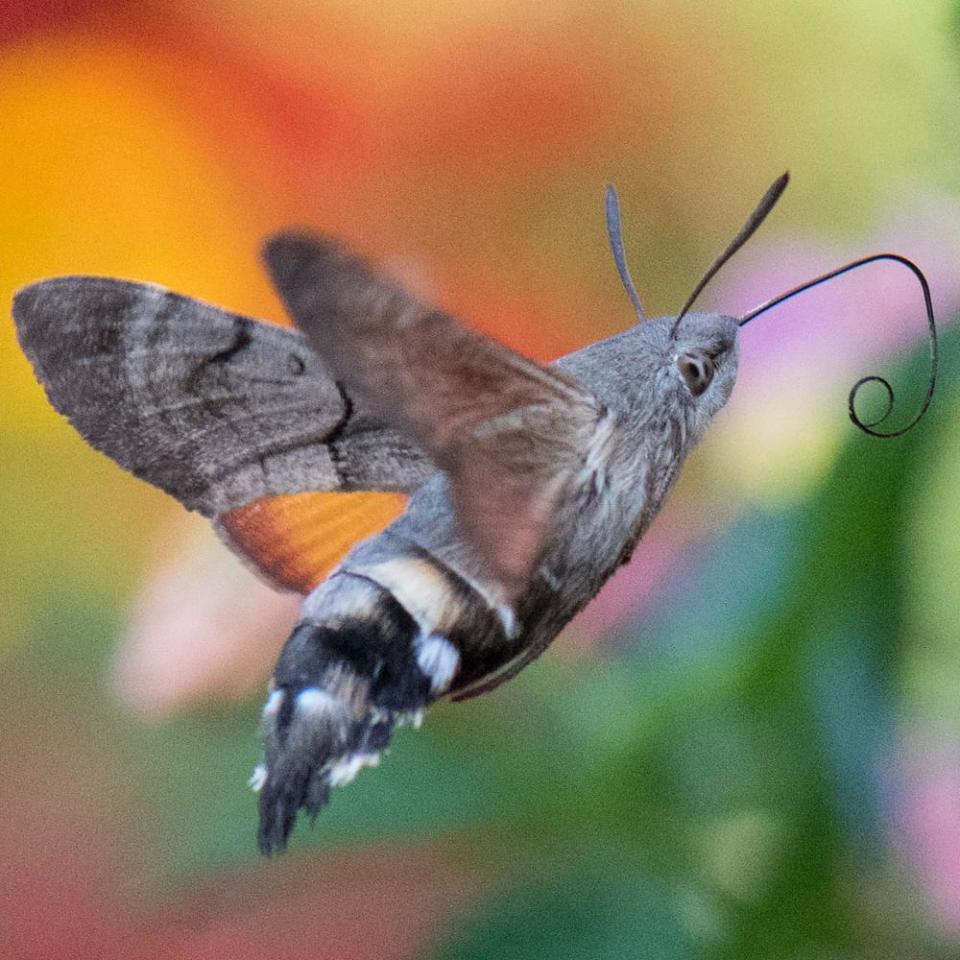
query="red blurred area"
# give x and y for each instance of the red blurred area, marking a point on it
(19, 19)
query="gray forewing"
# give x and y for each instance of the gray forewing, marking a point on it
(212, 407)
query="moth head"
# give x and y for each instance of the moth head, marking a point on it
(700, 348)
(693, 355)
(698, 367)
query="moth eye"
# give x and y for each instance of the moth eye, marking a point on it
(295, 364)
(697, 370)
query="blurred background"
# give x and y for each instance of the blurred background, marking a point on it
(749, 745)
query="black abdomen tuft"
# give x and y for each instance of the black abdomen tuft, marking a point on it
(341, 685)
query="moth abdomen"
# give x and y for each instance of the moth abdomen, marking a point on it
(346, 677)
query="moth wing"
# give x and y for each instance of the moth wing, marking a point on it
(509, 433)
(216, 409)
(295, 540)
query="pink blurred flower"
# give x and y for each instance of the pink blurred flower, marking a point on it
(201, 626)
(76, 898)
(927, 823)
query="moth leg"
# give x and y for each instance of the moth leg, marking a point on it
(346, 677)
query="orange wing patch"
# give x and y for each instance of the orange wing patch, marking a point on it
(296, 539)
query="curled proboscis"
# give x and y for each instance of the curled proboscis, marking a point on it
(870, 426)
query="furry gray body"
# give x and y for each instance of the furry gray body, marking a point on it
(648, 427)
(649, 423)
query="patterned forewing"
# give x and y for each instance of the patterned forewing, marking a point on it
(214, 408)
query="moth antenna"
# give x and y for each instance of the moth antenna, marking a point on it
(759, 214)
(616, 245)
(854, 390)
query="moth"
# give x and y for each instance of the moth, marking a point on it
(528, 485)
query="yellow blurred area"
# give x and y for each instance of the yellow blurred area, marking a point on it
(760, 458)
(104, 173)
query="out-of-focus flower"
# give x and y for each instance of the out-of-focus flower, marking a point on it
(378, 903)
(368, 904)
(927, 823)
(202, 625)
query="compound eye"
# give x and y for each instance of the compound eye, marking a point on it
(697, 370)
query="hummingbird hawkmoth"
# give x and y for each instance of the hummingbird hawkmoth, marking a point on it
(528, 484)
